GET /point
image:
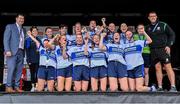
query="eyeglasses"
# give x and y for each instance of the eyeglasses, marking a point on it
(153, 16)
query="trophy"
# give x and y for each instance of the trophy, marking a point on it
(103, 22)
(84, 30)
(104, 25)
(97, 28)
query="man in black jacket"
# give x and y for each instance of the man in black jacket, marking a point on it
(163, 38)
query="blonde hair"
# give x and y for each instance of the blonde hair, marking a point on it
(93, 44)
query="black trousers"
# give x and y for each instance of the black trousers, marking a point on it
(34, 69)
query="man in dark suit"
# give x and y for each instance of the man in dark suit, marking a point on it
(14, 36)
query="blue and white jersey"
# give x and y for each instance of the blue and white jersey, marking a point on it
(133, 53)
(92, 33)
(47, 57)
(45, 37)
(77, 55)
(61, 62)
(108, 38)
(123, 39)
(97, 57)
(71, 40)
(116, 53)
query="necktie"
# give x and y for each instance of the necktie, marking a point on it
(21, 38)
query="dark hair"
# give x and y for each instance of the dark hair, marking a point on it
(140, 24)
(62, 25)
(119, 29)
(46, 40)
(92, 20)
(151, 12)
(113, 36)
(33, 27)
(47, 28)
(20, 14)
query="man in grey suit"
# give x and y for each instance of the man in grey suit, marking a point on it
(14, 36)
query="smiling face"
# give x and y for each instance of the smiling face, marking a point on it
(79, 39)
(45, 43)
(124, 27)
(129, 35)
(20, 20)
(92, 24)
(140, 29)
(112, 27)
(152, 17)
(63, 30)
(116, 37)
(78, 27)
(62, 39)
(34, 32)
(96, 39)
(49, 33)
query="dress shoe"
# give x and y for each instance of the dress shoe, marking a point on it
(9, 90)
(18, 90)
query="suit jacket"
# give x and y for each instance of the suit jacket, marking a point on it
(12, 38)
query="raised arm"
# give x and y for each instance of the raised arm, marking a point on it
(54, 38)
(103, 22)
(101, 28)
(86, 46)
(64, 54)
(148, 39)
(50, 43)
(101, 45)
(33, 38)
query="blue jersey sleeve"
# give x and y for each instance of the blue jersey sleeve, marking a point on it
(141, 42)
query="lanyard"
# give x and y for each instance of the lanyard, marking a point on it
(124, 38)
(155, 27)
(131, 41)
(141, 37)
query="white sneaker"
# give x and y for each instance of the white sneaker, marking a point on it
(153, 88)
(33, 89)
(45, 88)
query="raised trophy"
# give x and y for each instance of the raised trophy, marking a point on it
(84, 30)
(104, 25)
(97, 28)
(103, 22)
